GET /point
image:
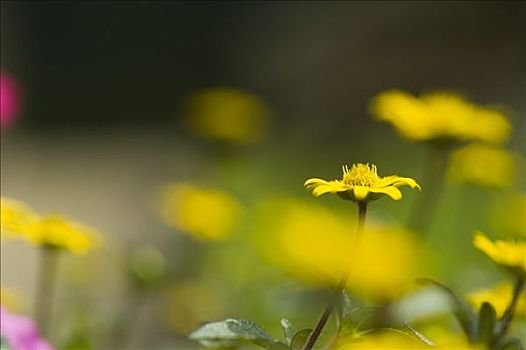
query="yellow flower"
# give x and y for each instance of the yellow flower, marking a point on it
(205, 213)
(500, 297)
(483, 165)
(440, 116)
(318, 246)
(509, 254)
(227, 114)
(49, 230)
(16, 218)
(361, 183)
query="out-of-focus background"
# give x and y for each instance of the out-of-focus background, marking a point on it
(106, 89)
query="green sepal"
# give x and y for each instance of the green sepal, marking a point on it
(487, 323)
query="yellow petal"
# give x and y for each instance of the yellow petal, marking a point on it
(319, 187)
(330, 187)
(310, 183)
(397, 181)
(360, 192)
(391, 191)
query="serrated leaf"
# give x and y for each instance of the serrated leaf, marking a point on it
(461, 309)
(230, 332)
(300, 339)
(288, 329)
(487, 322)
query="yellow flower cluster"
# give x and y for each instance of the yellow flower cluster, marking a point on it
(205, 213)
(483, 165)
(361, 183)
(498, 296)
(227, 114)
(54, 231)
(318, 246)
(508, 254)
(440, 116)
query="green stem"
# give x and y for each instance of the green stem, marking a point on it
(46, 284)
(508, 315)
(426, 203)
(313, 338)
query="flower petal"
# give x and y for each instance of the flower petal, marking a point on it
(360, 192)
(397, 181)
(391, 191)
(319, 187)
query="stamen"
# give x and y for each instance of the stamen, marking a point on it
(360, 174)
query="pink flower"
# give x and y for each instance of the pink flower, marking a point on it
(20, 332)
(10, 100)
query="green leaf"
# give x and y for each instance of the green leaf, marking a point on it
(231, 332)
(487, 322)
(461, 309)
(300, 339)
(288, 329)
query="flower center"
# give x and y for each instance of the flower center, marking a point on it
(360, 174)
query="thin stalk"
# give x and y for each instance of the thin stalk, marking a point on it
(426, 203)
(46, 286)
(313, 338)
(509, 313)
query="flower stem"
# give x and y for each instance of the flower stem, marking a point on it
(433, 180)
(508, 315)
(313, 338)
(46, 284)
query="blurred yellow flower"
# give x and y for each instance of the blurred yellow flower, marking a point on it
(400, 340)
(500, 297)
(205, 213)
(227, 114)
(318, 246)
(361, 183)
(53, 231)
(11, 299)
(440, 116)
(483, 165)
(16, 218)
(509, 254)
(384, 340)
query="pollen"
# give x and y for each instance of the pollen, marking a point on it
(360, 174)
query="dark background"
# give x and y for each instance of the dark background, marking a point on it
(94, 64)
